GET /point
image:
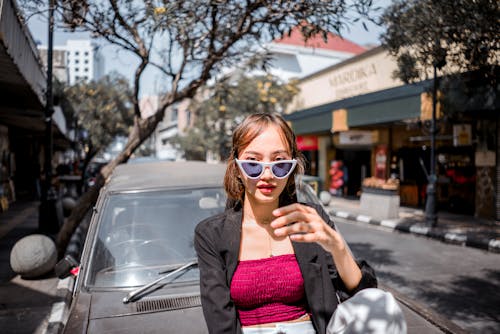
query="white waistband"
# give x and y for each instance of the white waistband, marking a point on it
(302, 327)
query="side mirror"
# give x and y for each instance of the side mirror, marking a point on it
(65, 265)
(325, 197)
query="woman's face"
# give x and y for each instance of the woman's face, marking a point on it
(269, 146)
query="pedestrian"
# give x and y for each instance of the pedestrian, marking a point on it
(269, 264)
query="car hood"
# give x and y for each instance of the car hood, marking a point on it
(176, 310)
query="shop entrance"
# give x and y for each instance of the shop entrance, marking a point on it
(357, 163)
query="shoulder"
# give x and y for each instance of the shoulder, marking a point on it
(211, 224)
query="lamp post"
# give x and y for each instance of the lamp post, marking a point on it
(48, 218)
(430, 204)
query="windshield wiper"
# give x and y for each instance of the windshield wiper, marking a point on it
(133, 294)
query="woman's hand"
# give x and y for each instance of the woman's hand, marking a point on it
(303, 224)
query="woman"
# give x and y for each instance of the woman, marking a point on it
(269, 264)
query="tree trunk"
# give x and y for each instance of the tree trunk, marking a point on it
(141, 131)
(88, 157)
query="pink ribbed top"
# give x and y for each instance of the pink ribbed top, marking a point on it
(268, 290)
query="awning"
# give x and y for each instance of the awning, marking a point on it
(390, 105)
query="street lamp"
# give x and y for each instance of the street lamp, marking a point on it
(430, 204)
(48, 218)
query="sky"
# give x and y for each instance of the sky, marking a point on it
(124, 63)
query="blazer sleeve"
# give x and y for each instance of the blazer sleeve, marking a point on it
(218, 308)
(368, 277)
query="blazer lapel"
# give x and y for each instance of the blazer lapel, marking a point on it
(310, 265)
(231, 239)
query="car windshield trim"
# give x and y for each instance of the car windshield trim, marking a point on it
(135, 294)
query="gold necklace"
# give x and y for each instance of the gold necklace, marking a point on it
(269, 238)
(270, 245)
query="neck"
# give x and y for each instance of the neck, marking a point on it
(261, 213)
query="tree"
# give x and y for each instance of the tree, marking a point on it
(103, 109)
(216, 117)
(195, 40)
(459, 37)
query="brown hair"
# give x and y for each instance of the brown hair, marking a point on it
(251, 127)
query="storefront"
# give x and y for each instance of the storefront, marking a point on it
(385, 134)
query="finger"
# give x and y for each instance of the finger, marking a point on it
(304, 237)
(290, 208)
(291, 217)
(294, 228)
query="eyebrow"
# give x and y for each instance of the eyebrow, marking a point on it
(273, 153)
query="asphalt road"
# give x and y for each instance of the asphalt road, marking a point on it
(461, 284)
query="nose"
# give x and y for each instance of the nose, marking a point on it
(267, 173)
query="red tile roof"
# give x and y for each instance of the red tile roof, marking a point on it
(334, 42)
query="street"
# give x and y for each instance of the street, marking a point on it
(459, 283)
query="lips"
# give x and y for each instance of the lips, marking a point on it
(266, 188)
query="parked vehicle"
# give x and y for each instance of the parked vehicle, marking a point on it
(138, 270)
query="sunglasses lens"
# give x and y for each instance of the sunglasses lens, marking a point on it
(282, 169)
(252, 169)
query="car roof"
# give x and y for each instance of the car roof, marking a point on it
(165, 175)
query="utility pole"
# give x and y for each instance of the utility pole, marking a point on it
(48, 218)
(430, 204)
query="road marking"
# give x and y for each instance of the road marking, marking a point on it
(363, 219)
(57, 314)
(455, 237)
(342, 214)
(419, 229)
(389, 223)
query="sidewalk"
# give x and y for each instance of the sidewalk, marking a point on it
(450, 228)
(26, 305)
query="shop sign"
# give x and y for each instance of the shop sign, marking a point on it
(462, 135)
(339, 120)
(307, 143)
(353, 81)
(356, 137)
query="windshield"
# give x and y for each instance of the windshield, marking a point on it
(142, 235)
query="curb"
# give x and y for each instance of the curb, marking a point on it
(59, 313)
(407, 226)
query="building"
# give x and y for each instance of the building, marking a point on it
(291, 57)
(77, 60)
(173, 124)
(356, 112)
(23, 84)
(60, 68)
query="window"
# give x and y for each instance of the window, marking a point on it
(86, 69)
(77, 61)
(77, 69)
(86, 61)
(86, 53)
(77, 53)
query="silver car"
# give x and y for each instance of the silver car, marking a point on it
(138, 271)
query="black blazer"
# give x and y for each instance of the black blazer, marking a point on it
(217, 243)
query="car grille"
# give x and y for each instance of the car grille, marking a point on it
(166, 304)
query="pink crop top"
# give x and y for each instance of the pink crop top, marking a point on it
(268, 290)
